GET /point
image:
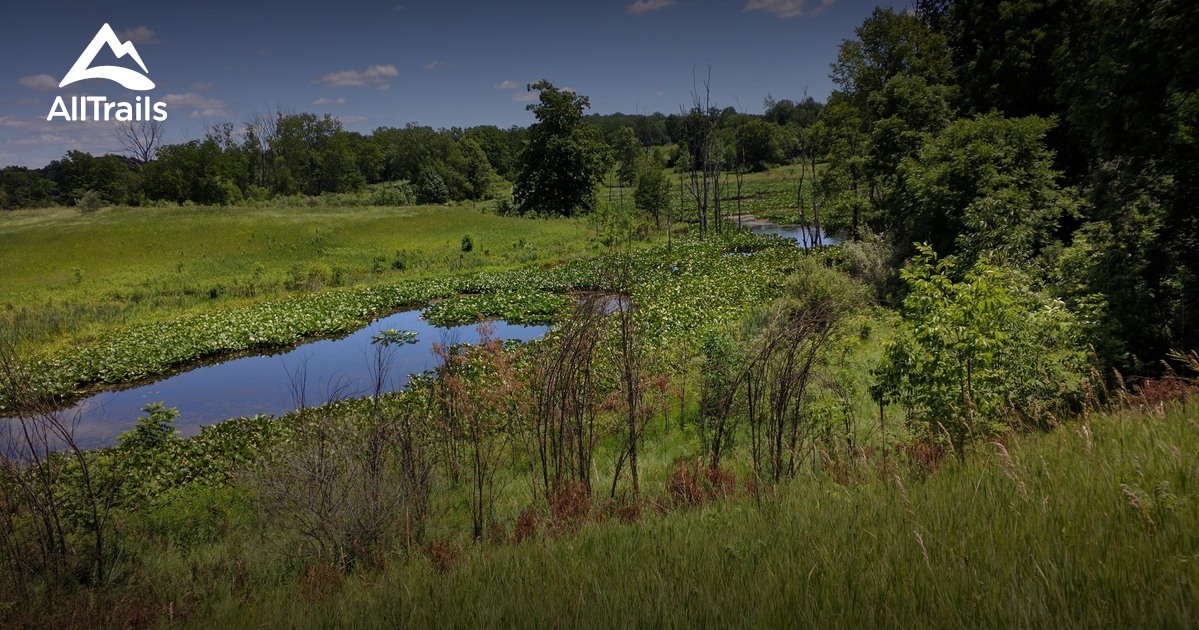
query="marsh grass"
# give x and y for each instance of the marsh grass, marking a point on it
(75, 276)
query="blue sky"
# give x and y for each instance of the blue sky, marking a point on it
(388, 63)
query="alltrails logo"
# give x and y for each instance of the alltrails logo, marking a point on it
(142, 109)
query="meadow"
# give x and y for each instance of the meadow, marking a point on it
(1088, 526)
(67, 277)
(1085, 522)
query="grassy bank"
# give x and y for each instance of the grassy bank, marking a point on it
(1091, 525)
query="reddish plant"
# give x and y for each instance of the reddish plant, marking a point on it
(443, 555)
(527, 524)
(320, 580)
(924, 456)
(693, 484)
(570, 506)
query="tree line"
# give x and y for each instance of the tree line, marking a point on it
(282, 153)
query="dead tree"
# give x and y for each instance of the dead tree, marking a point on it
(630, 359)
(777, 378)
(704, 156)
(139, 139)
(56, 499)
(566, 398)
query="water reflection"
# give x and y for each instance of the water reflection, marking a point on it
(267, 384)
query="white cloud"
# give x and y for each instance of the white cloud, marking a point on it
(661, 92)
(15, 123)
(374, 75)
(35, 141)
(435, 64)
(139, 35)
(787, 8)
(507, 85)
(526, 97)
(398, 7)
(329, 101)
(40, 82)
(29, 101)
(203, 86)
(351, 120)
(645, 6)
(200, 106)
(42, 138)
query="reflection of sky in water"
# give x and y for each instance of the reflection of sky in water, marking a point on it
(797, 232)
(263, 384)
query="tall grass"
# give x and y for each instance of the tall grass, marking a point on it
(1092, 525)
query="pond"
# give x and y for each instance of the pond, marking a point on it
(803, 234)
(265, 384)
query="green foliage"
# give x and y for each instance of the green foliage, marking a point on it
(626, 149)
(23, 188)
(815, 285)
(89, 202)
(981, 355)
(517, 307)
(198, 171)
(888, 45)
(392, 194)
(499, 146)
(430, 188)
(393, 337)
(892, 549)
(787, 113)
(985, 185)
(756, 145)
(77, 172)
(565, 158)
(653, 192)
(152, 431)
(314, 154)
(468, 244)
(894, 81)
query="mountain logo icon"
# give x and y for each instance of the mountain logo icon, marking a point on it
(131, 79)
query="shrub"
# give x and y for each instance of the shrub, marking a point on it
(89, 202)
(981, 355)
(431, 188)
(467, 243)
(392, 194)
(348, 484)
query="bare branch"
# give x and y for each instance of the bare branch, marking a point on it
(139, 140)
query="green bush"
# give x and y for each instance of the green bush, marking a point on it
(981, 355)
(431, 188)
(90, 201)
(392, 194)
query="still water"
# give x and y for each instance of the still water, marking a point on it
(802, 234)
(265, 384)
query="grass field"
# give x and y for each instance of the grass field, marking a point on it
(1090, 525)
(70, 275)
(1087, 527)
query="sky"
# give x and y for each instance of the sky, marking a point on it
(388, 63)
